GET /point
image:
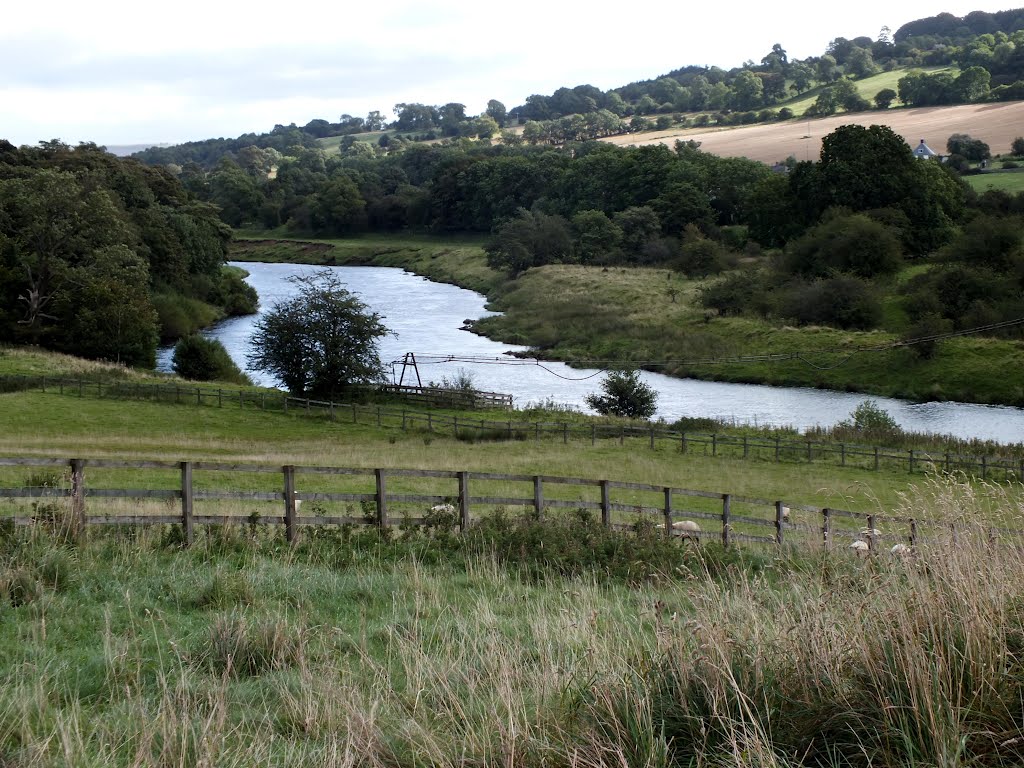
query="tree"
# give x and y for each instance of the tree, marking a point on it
(625, 395)
(529, 239)
(885, 97)
(497, 111)
(1017, 147)
(974, 150)
(322, 342)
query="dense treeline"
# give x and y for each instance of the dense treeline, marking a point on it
(844, 230)
(820, 244)
(101, 256)
(208, 152)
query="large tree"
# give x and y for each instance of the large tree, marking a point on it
(322, 342)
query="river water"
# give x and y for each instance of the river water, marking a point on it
(426, 318)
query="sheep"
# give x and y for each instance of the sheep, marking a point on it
(860, 548)
(443, 509)
(901, 550)
(685, 529)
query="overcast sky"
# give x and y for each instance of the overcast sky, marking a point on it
(115, 72)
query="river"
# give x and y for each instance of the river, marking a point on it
(426, 319)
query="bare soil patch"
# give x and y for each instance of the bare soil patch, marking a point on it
(996, 124)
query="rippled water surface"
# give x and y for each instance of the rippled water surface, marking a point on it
(426, 318)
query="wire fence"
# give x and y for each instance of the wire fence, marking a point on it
(654, 436)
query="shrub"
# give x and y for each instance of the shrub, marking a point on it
(202, 359)
(735, 293)
(702, 257)
(869, 422)
(842, 302)
(625, 395)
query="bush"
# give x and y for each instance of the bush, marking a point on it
(703, 257)
(735, 293)
(870, 422)
(625, 395)
(202, 359)
(842, 302)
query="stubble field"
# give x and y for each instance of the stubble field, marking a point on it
(995, 124)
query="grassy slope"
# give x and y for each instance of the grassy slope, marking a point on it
(867, 87)
(125, 651)
(50, 424)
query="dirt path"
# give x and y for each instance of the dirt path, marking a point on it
(995, 124)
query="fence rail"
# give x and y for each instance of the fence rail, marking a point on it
(777, 449)
(461, 495)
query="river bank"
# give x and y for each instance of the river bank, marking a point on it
(651, 317)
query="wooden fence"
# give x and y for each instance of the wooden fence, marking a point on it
(870, 457)
(300, 496)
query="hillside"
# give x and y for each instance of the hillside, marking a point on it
(995, 124)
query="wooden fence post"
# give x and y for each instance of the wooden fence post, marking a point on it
(668, 511)
(382, 506)
(876, 458)
(779, 522)
(606, 507)
(910, 462)
(565, 433)
(593, 434)
(538, 495)
(652, 437)
(842, 454)
(826, 527)
(289, 503)
(682, 442)
(913, 532)
(78, 496)
(726, 503)
(187, 526)
(463, 501)
(872, 544)
(714, 444)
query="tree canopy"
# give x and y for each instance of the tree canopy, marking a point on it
(321, 342)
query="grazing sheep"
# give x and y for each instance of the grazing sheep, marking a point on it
(785, 514)
(900, 550)
(446, 509)
(861, 548)
(685, 529)
(872, 532)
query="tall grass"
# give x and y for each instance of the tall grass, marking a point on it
(351, 649)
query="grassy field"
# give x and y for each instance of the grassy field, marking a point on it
(523, 643)
(867, 87)
(1011, 181)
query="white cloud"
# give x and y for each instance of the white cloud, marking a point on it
(119, 72)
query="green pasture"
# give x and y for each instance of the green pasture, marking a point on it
(867, 87)
(1011, 181)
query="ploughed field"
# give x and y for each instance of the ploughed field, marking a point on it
(995, 124)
